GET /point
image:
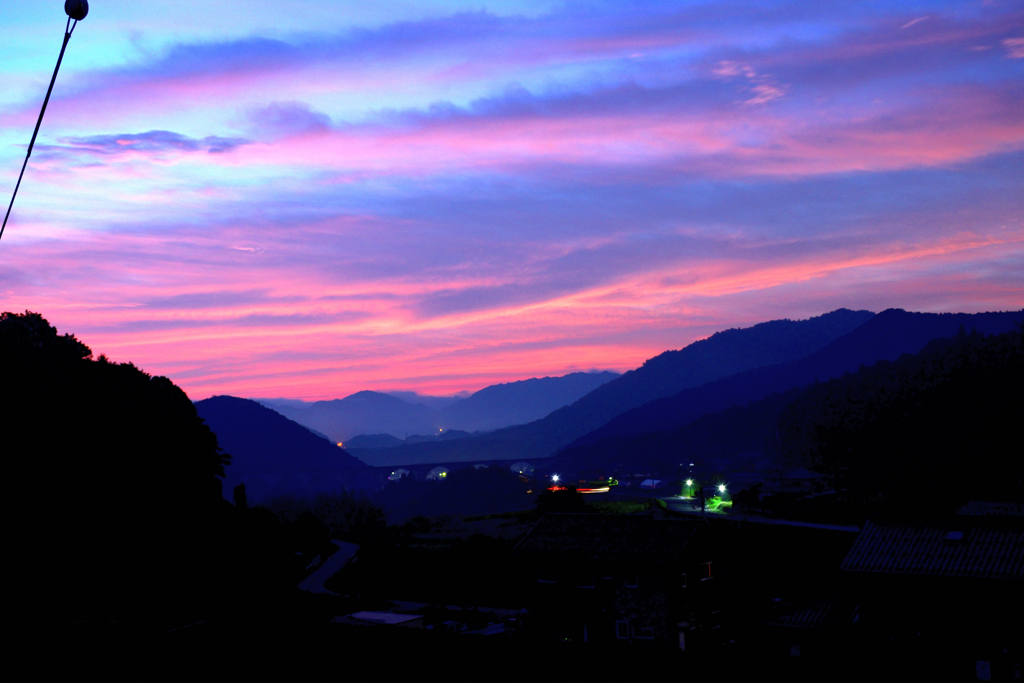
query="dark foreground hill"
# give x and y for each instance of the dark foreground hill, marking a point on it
(110, 477)
(722, 354)
(115, 523)
(272, 454)
(887, 336)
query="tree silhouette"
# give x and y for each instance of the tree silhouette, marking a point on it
(107, 465)
(239, 496)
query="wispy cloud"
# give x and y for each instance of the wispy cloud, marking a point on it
(154, 141)
(441, 203)
(1014, 47)
(912, 22)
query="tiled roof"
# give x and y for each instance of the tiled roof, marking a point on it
(960, 547)
(981, 508)
(608, 537)
(803, 617)
(828, 613)
(381, 618)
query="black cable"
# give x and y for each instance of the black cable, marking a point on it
(68, 30)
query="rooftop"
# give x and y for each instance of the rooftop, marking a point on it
(983, 508)
(382, 618)
(971, 547)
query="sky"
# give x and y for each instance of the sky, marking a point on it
(307, 199)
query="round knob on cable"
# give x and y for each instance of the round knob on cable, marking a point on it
(76, 9)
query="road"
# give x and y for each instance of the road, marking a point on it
(685, 506)
(314, 583)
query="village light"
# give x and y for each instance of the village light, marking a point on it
(554, 477)
(689, 482)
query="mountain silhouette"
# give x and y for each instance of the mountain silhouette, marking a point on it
(891, 431)
(266, 447)
(887, 336)
(373, 441)
(512, 403)
(365, 412)
(723, 354)
(374, 413)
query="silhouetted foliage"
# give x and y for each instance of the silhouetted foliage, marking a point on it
(476, 571)
(464, 491)
(114, 497)
(241, 501)
(344, 515)
(28, 335)
(942, 425)
(108, 465)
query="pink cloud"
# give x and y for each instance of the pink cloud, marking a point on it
(1014, 47)
(181, 310)
(628, 209)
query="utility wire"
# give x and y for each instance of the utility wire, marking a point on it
(68, 30)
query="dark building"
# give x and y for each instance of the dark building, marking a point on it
(942, 596)
(618, 579)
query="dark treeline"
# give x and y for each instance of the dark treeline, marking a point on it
(114, 498)
(937, 428)
(344, 516)
(463, 491)
(929, 429)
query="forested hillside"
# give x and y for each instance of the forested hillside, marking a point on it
(264, 446)
(114, 507)
(943, 424)
(886, 336)
(930, 430)
(723, 354)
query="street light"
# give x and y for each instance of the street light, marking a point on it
(76, 10)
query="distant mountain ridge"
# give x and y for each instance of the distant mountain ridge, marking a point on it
(896, 428)
(512, 403)
(500, 405)
(365, 412)
(887, 336)
(723, 354)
